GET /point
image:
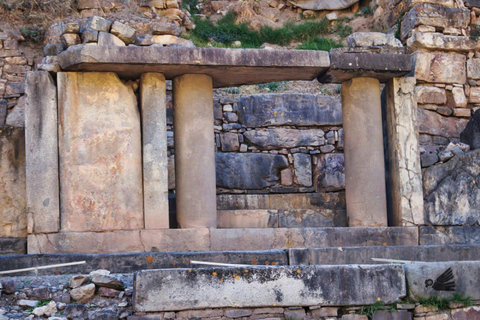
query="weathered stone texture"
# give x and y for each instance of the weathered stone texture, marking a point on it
(303, 169)
(280, 286)
(405, 175)
(323, 4)
(437, 67)
(330, 172)
(228, 219)
(431, 95)
(430, 122)
(248, 170)
(308, 218)
(436, 16)
(100, 153)
(43, 197)
(289, 109)
(473, 68)
(439, 41)
(466, 235)
(471, 134)
(452, 196)
(285, 138)
(13, 218)
(423, 279)
(155, 163)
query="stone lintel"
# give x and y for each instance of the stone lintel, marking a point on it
(345, 66)
(266, 286)
(227, 67)
(203, 239)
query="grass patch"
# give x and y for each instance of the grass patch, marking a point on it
(33, 33)
(226, 31)
(370, 310)
(36, 12)
(319, 43)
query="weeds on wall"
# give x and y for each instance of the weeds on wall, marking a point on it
(226, 31)
(33, 33)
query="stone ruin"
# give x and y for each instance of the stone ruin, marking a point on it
(127, 150)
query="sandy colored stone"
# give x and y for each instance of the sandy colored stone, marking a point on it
(83, 294)
(437, 67)
(194, 151)
(432, 123)
(108, 39)
(13, 220)
(42, 153)
(231, 219)
(100, 153)
(431, 95)
(364, 156)
(459, 97)
(155, 163)
(123, 32)
(403, 153)
(439, 41)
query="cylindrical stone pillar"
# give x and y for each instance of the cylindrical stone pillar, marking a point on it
(194, 151)
(364, 157)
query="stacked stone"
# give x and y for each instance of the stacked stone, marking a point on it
(294, 143)
(442, 37)
(13, 66)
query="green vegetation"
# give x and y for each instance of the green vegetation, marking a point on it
(442, 303)
(33, 33)
(226, 31)
(370, 310)
(272, 86)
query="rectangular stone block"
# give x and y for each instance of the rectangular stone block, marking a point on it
(289, 109)
(100, 153)
(443, 279)
(155, 161)
(182, 289)
(436, 16)
(404, 170)
(312, 218)
(13, 204)
(43, 200)
(439, 41)
(285, 138)
(364, 255)
(291, 201)
(432, 123)
(437, 67)
(13, 246)
(231, 219)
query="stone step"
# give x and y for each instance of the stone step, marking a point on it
(364, 255)
(294, 218)
(179, 240)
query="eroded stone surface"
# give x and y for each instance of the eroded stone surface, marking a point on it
(280, 286)
(13, 220)
(248, 170)
(471, 134)
(440, 41)
(330, 172)
(451, 191)
(438, 67)
(100, 153)
(289, 109)
(432, 123)
(285, 138)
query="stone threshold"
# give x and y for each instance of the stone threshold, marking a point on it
(203, 239)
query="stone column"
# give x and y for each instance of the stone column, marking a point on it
(155, 161)
(405, 172)
(194, 151)
(364, 158)
(43, 197)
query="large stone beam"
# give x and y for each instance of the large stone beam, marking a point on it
(364, 158)
(183, 289)
(194, 151)
(345, 66)
(43, 200)
(227, 67)
(405, 173)
(155, 161)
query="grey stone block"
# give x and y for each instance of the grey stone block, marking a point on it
(443, 279)
(330, 172)
(289, 109)
(248, 170)
(364, 255)
(392, 315)
(12, 246)
(182, 289)
(471, 134)
(277, 138)
(469, 235)
(302, 164)
(312, 218)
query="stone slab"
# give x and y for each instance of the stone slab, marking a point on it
(277, 138)
(155, 161)
(439, 41)
(440, 67)
(263, 110)
(231, 219)
(100, 153)
(131, 262)
(13, 204)
(9, 246)
(308, 218)
(469, 235)
(346, 66)
(248, 170)
(292, 201)
(443, 279)
(178, 240)
(364, 255)
(227, 67)
(183, 289)
(42, 169)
